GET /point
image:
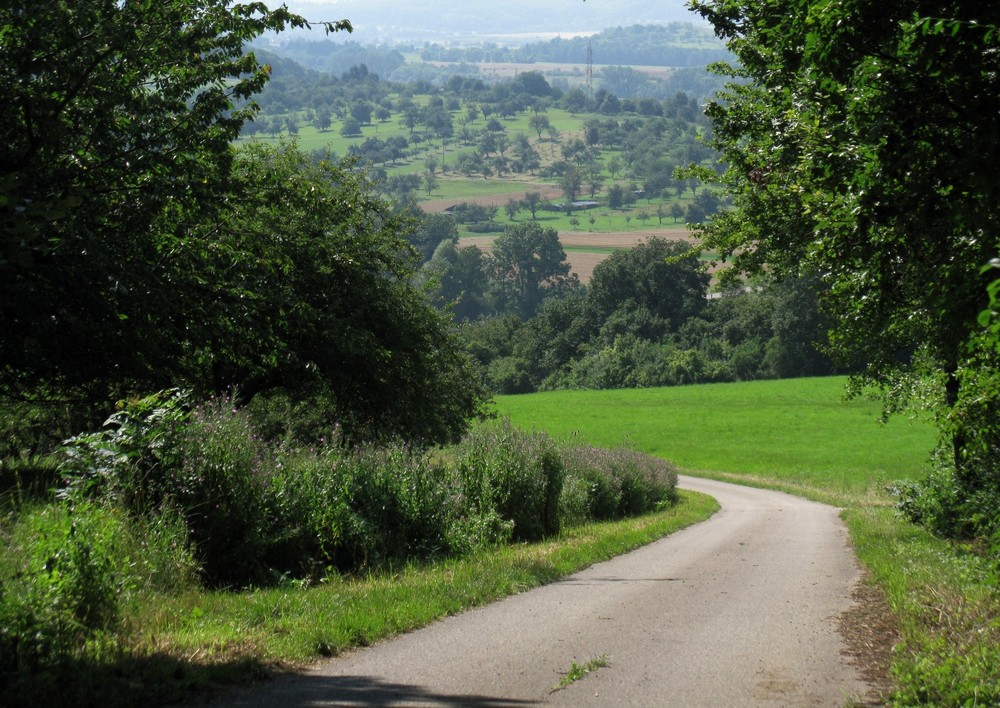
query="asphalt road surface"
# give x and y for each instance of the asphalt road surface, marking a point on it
(741, 610)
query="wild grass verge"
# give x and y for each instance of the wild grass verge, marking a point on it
(182, 646)
(111, 575)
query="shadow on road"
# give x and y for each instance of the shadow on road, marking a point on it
(313, 690)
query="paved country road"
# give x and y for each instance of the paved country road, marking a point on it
(740, 610)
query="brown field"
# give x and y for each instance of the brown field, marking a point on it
(501, 197)
(582, 262)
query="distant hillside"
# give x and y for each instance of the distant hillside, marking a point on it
(675, 44)
(515, 20)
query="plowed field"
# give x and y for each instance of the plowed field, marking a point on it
(583, 262)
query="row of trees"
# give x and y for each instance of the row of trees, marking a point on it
(644, 319)
(676, 44)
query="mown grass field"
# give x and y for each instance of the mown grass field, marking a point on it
(799, 434)
(943, 616)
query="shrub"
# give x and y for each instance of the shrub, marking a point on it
(204, 463)
(368, 507)
(129, 461)
(218, 487)
(514, 474)
(610, 484)
(308, 501)
(68, 572)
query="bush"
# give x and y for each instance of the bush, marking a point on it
(515, 475)
(611, 484)
(368, 507)
(69, 572)
(399, 502)
(129, 461)
(218, 486)
(255, 511)
(206, 464)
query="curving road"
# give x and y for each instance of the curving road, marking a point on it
(741, 610)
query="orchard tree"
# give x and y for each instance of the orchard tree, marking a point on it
(532, 202)
(860, 140)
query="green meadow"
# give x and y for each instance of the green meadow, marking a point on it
(800, 434)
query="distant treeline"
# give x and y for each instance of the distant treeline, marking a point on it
(685, 47)
(338, 57)
(677, 44)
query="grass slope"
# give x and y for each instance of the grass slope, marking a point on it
(799, 435)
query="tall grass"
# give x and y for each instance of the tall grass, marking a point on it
(170, 493)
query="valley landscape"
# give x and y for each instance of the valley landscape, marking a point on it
(331, 333)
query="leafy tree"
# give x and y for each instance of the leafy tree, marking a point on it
(615, 165)
(306, 288)
(430, 182)
(539, 123)
(351, 128)
(460, 280)
(571, 182)
(661, 277)
(117, 128)
(528, 262)
(429, 230)
(532, 83)
(361, 111)
(616, 196)
(532, 201)
(856, 141)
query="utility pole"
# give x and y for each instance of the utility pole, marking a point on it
(590, 69)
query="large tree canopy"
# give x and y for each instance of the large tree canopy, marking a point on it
(118, 117)
(859, 141)
(140, 249)
(303, 284)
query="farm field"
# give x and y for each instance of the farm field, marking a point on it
(928, 608)
(589, 236)
(586, 250)
(798, 435)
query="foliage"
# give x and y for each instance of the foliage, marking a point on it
(514, 474)
(675, 45)
(119, 116)
(835, 141)
(613, 484)
(254, 509)
(70, 575)
(644, 320)
(459, 280)
(205, 463)
(527, 264)
(662, 278)
(314, 296)
(143, 251)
